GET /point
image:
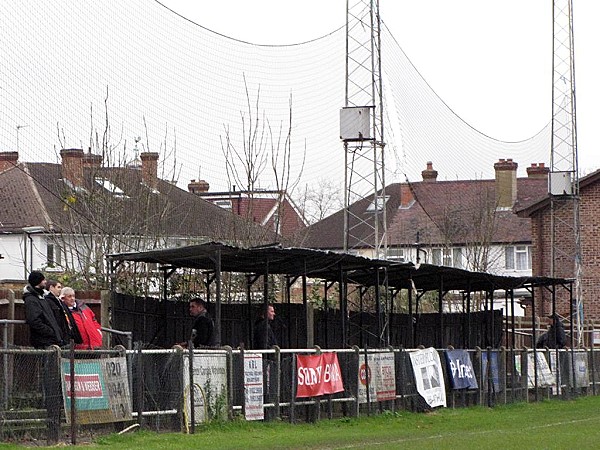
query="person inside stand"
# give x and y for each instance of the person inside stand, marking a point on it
(264, 337)
(88, 326)
(202, 334)
(64, 318)
(555, 337)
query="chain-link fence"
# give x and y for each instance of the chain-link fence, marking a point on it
(65, 395)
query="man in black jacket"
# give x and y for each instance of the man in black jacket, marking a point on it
(264, 337)
(44, 330)
(203, 328)
(63, 315)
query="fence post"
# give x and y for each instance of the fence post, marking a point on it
(277, 380)
(53, 392)
(479, 364)
(140, 383)
(72, 392)
(294, 389)
(229, 381)
(357, 393)
(525, 372)
(502, 373)
(191, 393)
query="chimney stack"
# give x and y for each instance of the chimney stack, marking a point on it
(406, 196)
(429, 175)
(149, 168)
(72, 165)
(538, 170)
(198, 187)
(8, 160)
(92, 161)
(506, 183)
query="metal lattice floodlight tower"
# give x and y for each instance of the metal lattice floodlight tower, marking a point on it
(563, 183)
(361, 130)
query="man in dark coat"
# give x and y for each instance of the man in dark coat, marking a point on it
(264, 337)
(203, 329)
(44, 330)
(555, 337)
(63, 315)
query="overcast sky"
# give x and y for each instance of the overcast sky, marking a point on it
(502, 47)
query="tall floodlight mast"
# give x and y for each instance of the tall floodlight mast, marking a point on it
(361, 130)
(564, 173)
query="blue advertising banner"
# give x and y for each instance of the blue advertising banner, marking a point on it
(460, 369)
(494, 370)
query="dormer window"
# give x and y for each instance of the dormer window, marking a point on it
(378, 204)
(110, 187)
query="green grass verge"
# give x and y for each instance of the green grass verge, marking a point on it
(553, 424)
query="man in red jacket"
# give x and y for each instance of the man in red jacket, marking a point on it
(88, 326)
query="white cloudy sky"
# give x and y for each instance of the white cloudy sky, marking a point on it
(503, 49)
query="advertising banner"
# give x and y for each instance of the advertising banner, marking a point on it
(429, 376)
(460, 368)
(253, 387)
(318, 375)
(378, 372)
(209, 384)
(101, 390)
(494, 370)
(545, 378)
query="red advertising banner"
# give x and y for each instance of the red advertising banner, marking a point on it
(318, 375)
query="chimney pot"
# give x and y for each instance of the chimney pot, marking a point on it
(198, 187)
(538, 171)
(429, 175)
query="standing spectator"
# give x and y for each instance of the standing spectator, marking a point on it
(45, 332)
(203, 329)
(64, 318)
(264, 337)
(44, 329)
(89, 328)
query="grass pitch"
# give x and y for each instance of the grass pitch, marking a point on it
(551, 424)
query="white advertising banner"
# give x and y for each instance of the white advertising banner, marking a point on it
(210, 386)
(545, 378)
(429, 376)
(253, 386)
(379, 374)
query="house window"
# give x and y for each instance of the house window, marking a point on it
(450, 257)
(395, 254)
(457, 259)
(517, 257)
(52, 255)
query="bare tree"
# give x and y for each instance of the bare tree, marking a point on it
(261, 144)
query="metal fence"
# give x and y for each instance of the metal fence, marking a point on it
(157, 388)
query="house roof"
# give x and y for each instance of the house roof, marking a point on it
(440, 211)
(543, 202)
(35, 194)
(329, 266)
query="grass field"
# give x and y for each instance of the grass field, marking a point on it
(555, 424)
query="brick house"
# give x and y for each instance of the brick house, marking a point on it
(466, 224)
(67, 216)
(273, 209)
(589, 217)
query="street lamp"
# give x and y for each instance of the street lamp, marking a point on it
(28, 231)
